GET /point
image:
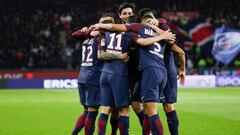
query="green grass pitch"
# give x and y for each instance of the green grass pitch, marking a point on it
(53, 112)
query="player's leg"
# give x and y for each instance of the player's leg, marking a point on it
(152, 84)
(170, 95)
(114, 120)
(90, 120)
(150, 108)
(80, 122)
(103, 118)
(146, 128)
(123, 123)
(138, 109)
(106, 102)
(82, 117)
(136, 101)
(172, 118)
(122, 100)
(137, 104)
(92, 101)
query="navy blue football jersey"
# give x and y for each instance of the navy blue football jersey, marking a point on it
(117, 43)
(168, 54)
(152, 55)
(169, 61)
(91, 65)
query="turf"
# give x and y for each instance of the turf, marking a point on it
(53, 112)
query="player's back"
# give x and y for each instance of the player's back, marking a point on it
(116, 43)
(90, 66)
(151, 55)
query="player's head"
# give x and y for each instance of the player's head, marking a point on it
(146, 13)
(133, 19)
(125, 10)
(144, 19)
(106, 18)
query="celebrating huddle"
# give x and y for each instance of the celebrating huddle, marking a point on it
(128, 64)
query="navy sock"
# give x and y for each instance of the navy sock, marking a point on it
(114, 124)
(146, 128)
(156, 125)
(90, 123)
(80, 123)
(173, 122)
(102, 122)
(140, 117)
(123, 125)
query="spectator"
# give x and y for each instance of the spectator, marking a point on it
(30, 30)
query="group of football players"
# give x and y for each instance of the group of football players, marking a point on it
(129, 63)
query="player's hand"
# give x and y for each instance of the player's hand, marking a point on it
(92, 27)
(94, 33)
(84, 29)
(181, 76)
(155, 28)
(168, 35)
(153, 22)
(124, 57)
(95, 27)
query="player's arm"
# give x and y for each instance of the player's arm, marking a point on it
(156, 22)
(160, 25)
(95, 33)
(166, 35)
(103, 55)
(160, 31)
(81, 33)
(181, 55)
(133, 27)
(110, 27)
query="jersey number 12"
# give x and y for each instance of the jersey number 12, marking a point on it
(89, 50)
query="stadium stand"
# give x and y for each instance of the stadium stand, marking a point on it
(36, 34)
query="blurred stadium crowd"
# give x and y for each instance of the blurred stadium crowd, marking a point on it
(36, 34)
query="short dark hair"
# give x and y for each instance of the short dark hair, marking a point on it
(144, 11)
(126, 5)
(146, 16)
(107, 14)
(133, 19)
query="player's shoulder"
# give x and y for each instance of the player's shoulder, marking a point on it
(134, 25)
(163, 24)
(127, 33)
(162, 21)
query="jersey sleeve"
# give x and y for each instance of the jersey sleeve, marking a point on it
(101, 43)
(134, 36)
(79, 34)
(162, 21)
(134, 27)
(163, 24)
